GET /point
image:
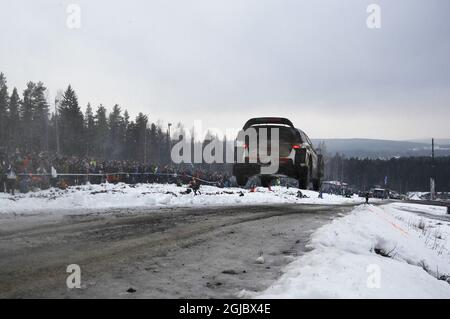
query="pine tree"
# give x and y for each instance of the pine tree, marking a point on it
(126, 119)
(89, 128)
(153, 144)
(3, 111)
(14, 120)
(40, 118)
(115, 129)
(71, 127)
(26, 113)
(130, 141)
(101, 132)
(161, 141)
(141, 151)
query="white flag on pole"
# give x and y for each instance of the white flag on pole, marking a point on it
(54, 173)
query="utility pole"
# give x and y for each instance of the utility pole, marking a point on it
(170, 142)
(56, 126)
(432, 181)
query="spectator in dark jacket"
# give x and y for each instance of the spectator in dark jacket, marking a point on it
(195, 186)
(11, 178)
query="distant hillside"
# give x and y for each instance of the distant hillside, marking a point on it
(441, 141)
(372, 148)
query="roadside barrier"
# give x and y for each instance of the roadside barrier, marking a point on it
(175, 175)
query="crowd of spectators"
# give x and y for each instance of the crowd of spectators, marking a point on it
(43, 170)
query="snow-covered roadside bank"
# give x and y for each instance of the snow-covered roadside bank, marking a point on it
(375, 252)
(419, 208)
(104, 196)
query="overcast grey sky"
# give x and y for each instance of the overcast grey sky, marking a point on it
(222, 62)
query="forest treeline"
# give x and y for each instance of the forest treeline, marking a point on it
(401, 174)
(28, 123)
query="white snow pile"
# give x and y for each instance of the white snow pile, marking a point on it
(374, 252)
(424, 209)
(105, 196)
(416, 195)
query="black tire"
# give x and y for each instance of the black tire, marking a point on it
(317, 184)
(303, 181)
(265, 181)
(241, 180)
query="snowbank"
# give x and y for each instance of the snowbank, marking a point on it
(375, 252)
(121, 195)
(418, 208)
(416, 195)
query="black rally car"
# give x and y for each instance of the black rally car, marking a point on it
(297, 157)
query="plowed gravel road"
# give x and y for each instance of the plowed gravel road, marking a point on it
(168, 253)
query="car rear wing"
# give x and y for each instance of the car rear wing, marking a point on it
(268, 120)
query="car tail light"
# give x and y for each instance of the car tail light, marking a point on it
(297, 146)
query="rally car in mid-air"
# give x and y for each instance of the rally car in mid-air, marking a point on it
(297, 157)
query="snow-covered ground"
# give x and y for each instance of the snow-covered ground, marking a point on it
(420, 196)
(418, 208)
(374, 252)
(104, 196)
(416, 195)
